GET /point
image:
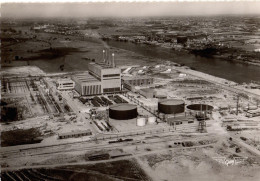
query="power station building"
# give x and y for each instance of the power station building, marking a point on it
(102, 77)
(86, 84)
(108, 75)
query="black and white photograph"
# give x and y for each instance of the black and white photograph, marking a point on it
(130, 91)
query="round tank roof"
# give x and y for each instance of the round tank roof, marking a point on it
(171, 102)
(123, 111)
(123, 107)
(200, 107)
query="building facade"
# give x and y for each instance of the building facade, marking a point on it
(65, 84)
(147, 92)
(101, 78)
(109, 76)
(86, 84)
(138, 80)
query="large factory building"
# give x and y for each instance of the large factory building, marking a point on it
(103, 77)
(86, 84)
(109, 75)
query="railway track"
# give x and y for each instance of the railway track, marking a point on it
(82, 147)
(104, 161)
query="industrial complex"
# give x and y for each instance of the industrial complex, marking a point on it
(127, 114)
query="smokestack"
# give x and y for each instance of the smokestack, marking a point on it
(104, 59)
(113, 60)
(108, 57)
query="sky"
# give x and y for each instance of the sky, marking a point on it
(123, 9)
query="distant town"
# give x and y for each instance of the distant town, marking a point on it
(205, 36)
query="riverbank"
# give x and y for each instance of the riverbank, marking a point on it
(224, 53)
(236, 72)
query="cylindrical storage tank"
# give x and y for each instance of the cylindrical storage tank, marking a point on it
(151, 120)
(171, 106)
(123, 111)
(141, 122)
(200, 107)
(161, 96)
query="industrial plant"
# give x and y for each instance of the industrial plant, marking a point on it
(129, 99)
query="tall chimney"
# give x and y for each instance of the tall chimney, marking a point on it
(113, 60)
(104, 58)
(108, 57)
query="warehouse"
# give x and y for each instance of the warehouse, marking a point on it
(74, 134)
(138, 80)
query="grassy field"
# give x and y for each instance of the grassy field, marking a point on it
(49, 51)
(20, 137)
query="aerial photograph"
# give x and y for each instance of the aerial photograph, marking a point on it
(120, 91)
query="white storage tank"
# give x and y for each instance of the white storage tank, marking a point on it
(140, 121)
(151, 120)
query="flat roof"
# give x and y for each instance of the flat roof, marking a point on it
(85, 77)
(148, 90)
(101, 65)
(75, 132)
(64, 80)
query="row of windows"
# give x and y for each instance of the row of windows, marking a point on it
(66, 86)
(140, 82)
(111, 75)
(66, 83)
(111, 78)
(116, 89)
(91, 90)
(74, 135)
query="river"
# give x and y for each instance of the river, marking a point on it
(236, 72)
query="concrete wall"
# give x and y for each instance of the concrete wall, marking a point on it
(94, 69)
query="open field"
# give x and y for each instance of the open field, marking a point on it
(26, 136)
(53, 50)
(204, 164)
(111, 171)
